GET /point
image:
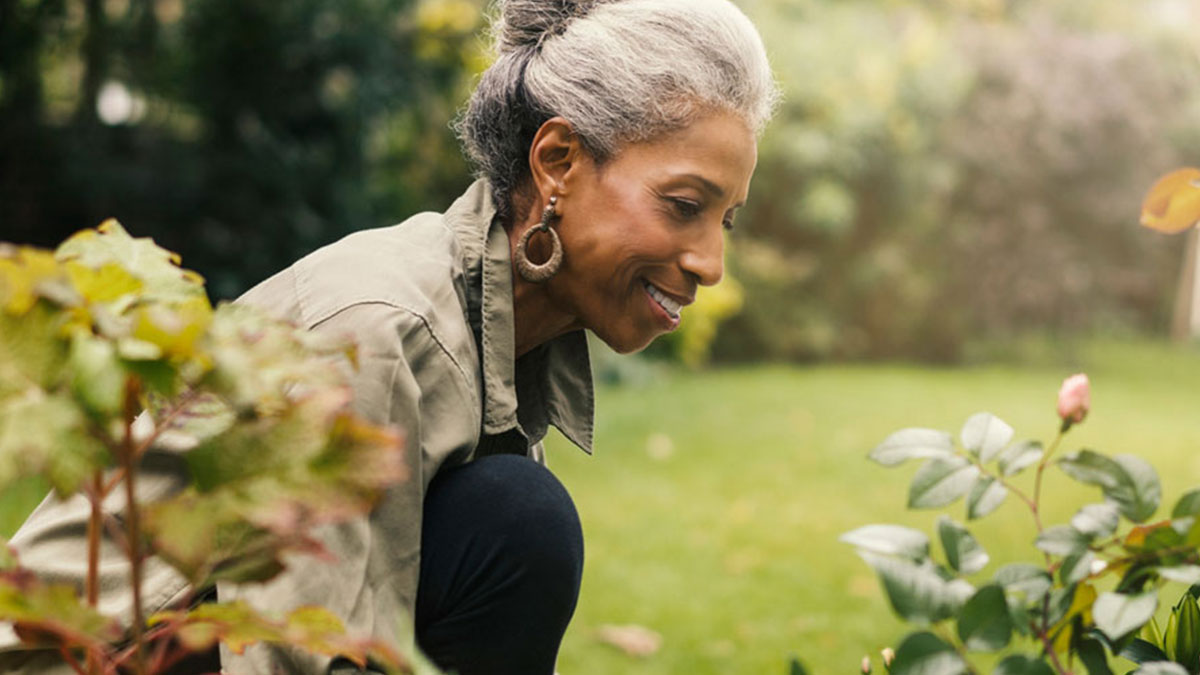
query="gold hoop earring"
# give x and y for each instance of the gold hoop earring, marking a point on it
(533, 272)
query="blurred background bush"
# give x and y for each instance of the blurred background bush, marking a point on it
(943, 174)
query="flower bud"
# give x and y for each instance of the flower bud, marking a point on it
(866, 665)
(889, 655)
(1074, 399)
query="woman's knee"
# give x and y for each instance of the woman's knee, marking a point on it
(519, 507)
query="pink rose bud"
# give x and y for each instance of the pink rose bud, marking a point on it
(866, 665)
(888, 655)
(1074, 399)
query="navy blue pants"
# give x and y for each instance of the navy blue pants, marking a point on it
(501, 562)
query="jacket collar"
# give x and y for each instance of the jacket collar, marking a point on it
(550, 385)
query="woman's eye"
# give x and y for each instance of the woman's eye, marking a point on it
(686, 207)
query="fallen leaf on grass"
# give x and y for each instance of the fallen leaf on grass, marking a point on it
(632, 639)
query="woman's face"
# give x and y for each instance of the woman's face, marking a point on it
(641, 231)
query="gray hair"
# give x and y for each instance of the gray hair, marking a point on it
(619, 71)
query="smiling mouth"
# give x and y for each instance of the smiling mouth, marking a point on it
(669, 306)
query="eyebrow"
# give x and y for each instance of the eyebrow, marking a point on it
(712, 188)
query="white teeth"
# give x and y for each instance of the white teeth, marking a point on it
(665, 302)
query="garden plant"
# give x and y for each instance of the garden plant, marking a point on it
(1093, 589)
(111, 353)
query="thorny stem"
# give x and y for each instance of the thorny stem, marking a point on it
(159, 427)
(92, 587)
(1037, 481)
(1049, 647)
(128, 460)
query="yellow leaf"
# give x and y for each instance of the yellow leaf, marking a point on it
(1173, 204)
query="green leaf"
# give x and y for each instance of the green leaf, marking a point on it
(983, 623)
(1030, 581)
(926, 654)
(1117, 614)
(913, 443)
(1140, 497)
(963, 552)
(916, 591)
(1019, 456)
(940, 481)
(889, 540)
(985, 435)
(1127, 480)
(1187, 643)
(1142, 651)
(32, 351)
(1076, 567)
(158, 268)
(1188, 504)
(1019, 664)
(1062, 540)
(97, 377)
(987, 494)
(47, 435)
(1092, 653)
(54, 611)
(1184, 574)
(1161, 668)
(1097, 520)
(1171, 635)
(1092, 468)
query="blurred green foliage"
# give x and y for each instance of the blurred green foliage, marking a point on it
(241, 133)
(947, 172)
(940, 174)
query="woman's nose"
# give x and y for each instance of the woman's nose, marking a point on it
(705, 258)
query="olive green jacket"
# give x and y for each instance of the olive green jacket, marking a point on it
(429, 304)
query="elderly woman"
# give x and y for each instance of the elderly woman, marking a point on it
(614, 142)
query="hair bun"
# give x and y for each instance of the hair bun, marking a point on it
(527, 23)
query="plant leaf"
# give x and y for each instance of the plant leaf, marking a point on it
(1062, 540)
(916, 591)
(1161, 668)
(940, 481)
(1188, 504)
(1076, 567)
(1117, 614)
(985, 435)
(926, 654)
(963, 552)
(1173, 202)
(913, 443)
(1019, 456)
(983, 623)
(1019, 664)
(889, 540)
(1097, 520)
(1187, 643)
(1128, 481)
(1031, 581)
(1142, 651)
(987, 494)
(1184, 574)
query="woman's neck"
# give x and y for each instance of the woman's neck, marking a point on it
(537, 317)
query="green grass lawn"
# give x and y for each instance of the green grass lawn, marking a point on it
(727, 543)
(714, 501)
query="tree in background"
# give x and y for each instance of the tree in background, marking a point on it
(242, 133)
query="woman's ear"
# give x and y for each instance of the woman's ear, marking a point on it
(554, 155)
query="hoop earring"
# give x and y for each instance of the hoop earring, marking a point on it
(533, 272)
